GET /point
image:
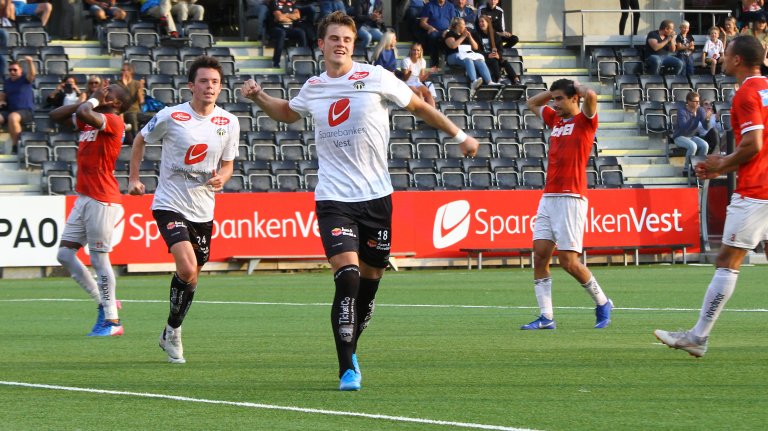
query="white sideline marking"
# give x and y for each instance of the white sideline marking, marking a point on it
(325, 304)
(267, 406)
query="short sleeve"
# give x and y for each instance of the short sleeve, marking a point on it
(394, 89)
(549, 116)
(231, 149)
(155, 129)
(299, 104)
(750, 111)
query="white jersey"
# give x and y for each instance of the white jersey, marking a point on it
(352, 130)
(415, 69)
(193, 147)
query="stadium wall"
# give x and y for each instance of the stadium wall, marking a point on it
(427, 225)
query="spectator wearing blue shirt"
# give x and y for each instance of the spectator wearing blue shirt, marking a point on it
(690, 117)
(467, 13)
(436, 18)
(385, 54)
(17, 100)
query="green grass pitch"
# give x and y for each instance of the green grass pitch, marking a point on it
(443, 352)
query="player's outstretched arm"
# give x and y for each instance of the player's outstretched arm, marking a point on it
(436, 119)
(277, 109)
(135, 187)
(536, 102)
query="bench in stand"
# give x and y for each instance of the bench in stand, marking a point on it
(479, 253)
(636, 249)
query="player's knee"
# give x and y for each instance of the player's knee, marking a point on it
(187, 273)
(64, 255)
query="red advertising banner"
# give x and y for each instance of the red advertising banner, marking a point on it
(430, 224)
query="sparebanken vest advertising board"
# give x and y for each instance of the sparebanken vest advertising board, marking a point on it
(429, 224)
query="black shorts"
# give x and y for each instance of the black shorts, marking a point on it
(26, 115)
(362, 227)
(175, 228)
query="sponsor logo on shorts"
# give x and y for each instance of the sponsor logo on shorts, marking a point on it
(181, 116)
(338, 231)
(196, 154)
(372, 243)
(174, 224)
(338, 112)
(358, 75)
(451, 224)
(220, 121)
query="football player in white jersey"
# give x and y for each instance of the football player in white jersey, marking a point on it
(353, 196)
(199, 142)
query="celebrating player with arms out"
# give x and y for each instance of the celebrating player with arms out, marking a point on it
(99, 202)
(562, 212)
(353, 195)
(746, 220)
(199, 146)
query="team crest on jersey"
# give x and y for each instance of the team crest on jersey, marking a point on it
(196, 154)
(221, 132)
(220, 121)
(338, 112)
(359, 85)
(181, 116)
(358, 75)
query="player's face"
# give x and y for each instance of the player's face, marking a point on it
(338, 44)
(564, 106)
(207, 86)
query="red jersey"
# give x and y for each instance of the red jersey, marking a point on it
(96, 159)
(569, 148)
(749, 112)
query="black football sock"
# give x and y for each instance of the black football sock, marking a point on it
(181, 297)
(365, 304)
(343, 315)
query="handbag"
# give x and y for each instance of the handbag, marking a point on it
(465, 51)
(151, 104)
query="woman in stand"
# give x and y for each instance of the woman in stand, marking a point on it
(490, 47)
(629, 4)
(462, 50)
(385, 53)
(415, 72)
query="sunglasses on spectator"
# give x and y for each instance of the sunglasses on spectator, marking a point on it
(94, 83)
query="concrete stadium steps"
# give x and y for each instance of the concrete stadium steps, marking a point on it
(14, 179)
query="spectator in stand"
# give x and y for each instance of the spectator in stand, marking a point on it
(659, 47)
(490, 47)
(436, 18)
(685, 46)
(409, 12)
(690, 117)
(729, 31)
(103, 10)
(751, 10)
(369, 18)
(17, 100)
(710, 132)
(161, 10)
(260, 10)
(67, 93)
(493, 10)
(415, 73)
(759, 29)
(135, 90)
(41, 10)
(285, 24)
(462, 50)
(94, 83)
(385, 53)
(467, 13)
(629, 4)
(328, 6)
(187, 10)
(712, 55)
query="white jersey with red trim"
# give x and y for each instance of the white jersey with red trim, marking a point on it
(351, 123)
(193, 147)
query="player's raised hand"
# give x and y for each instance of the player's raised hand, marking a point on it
(250, 89)
(136, 188)
(216, 182)
(469, 147)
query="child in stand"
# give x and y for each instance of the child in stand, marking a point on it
(685, 46)
(713, 51)
(415, 72)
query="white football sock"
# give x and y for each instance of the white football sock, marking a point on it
(543, 289)
(67, 257)
(718, 293)
(594, 290)
(106, 283)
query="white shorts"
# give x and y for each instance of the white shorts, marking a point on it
(561, 219)
(92, 222)
(746, 223)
